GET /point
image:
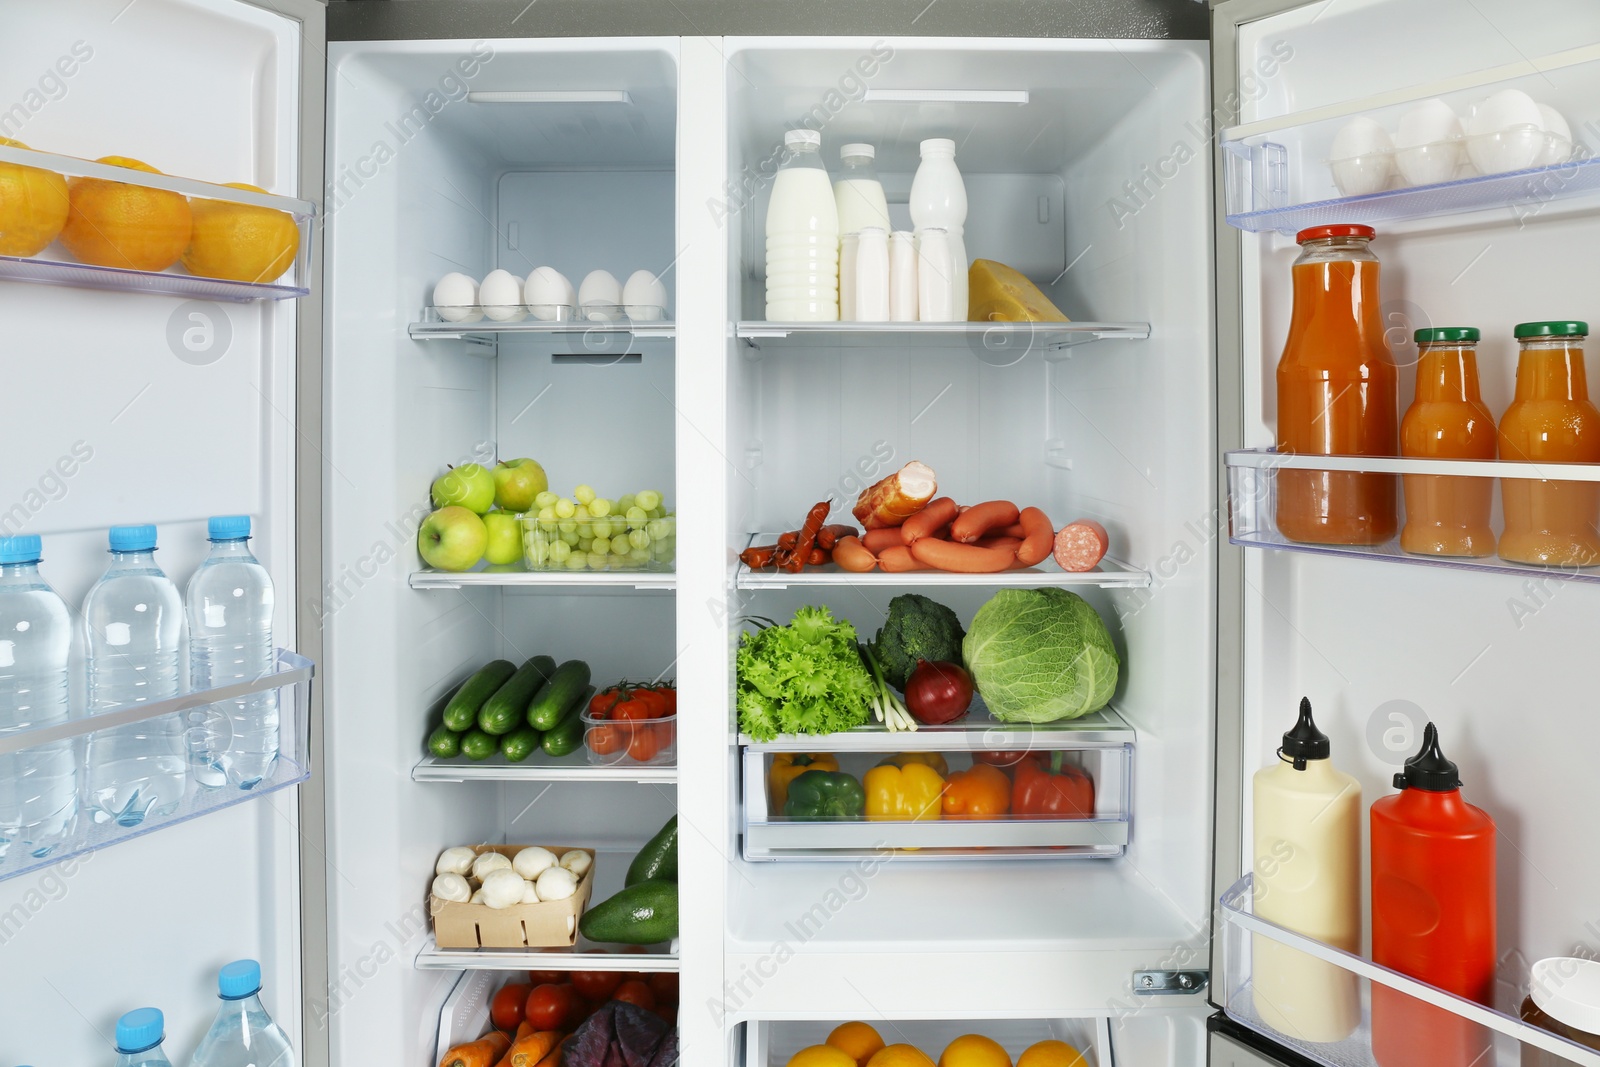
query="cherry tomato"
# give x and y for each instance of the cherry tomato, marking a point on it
(655, 700)
(664, 984)
(506, 1009)
(597, 985)
(643, 740)
(635, 992)
(601, 703)
(550, 1006)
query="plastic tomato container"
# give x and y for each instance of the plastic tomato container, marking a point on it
(606, 544)
(612, 742)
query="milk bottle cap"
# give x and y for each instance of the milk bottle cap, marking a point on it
(799, 137)
(938, 146)
(1428, 770)
(852, 150)
(1304, 741)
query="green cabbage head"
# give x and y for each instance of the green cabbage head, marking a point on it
(1039, 655)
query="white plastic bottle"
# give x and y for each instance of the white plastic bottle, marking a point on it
(939, 198)
(133, 636)
(1307, 877)
(38, 785)
(857, 192)
(230, 603)
(902, 277)
(802, 236)
(243, 1034)
(935, 281)
(872, 276)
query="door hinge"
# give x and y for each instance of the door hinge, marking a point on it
(1168, 983)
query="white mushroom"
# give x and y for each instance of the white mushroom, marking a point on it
(486, 862)
(577, 861)
(530, 894)
(452, 887)
(477, 897)
(502, 888)
(456, 860)
(532, 862)
(557, 883)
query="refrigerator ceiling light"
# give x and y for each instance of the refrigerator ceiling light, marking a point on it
(551, 96)
(947, 96)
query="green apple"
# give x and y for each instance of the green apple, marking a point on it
(468, 485)
(505, 537)
(517, 482)
(452, 538)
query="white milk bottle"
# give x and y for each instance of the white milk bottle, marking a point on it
(871, 276)
(802, 236)
(902, 277)
(857, 191)
(1307, 877)
(939, 198)
(936, 299)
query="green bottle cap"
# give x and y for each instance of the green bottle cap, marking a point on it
(1552, 329)
(1446, 333)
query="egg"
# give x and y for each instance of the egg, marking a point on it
(456, 298)
(644, 297)
(600, 296)
(548, 294)
(1557, 146)
(500, 294)
(1428, 143)
(1362, 157)
(1505, 132)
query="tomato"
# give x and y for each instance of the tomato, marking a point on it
(550, 1006)
(506, 1009)
(667, 1013)
(644, 741)
(664, 984)
(656, 700)
(635, 992)
(546, 977)
(601, 703)
(597, 985)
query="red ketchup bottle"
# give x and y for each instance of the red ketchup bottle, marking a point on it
(1433, 913)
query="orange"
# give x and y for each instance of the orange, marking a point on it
(899, 1056)
(240, 242)
(33, 206)
(821, 1056)
(1051, 1054)
(114, 224)
(974, 1050)
(858, 1039)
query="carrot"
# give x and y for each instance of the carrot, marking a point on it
(484, 1052)
(524, 1028)
(531, 1049)
(552, 1060)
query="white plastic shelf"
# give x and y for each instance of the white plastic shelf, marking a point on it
(614, 339)
(978, 732)
(1109, 574)
(564, 581)
(986, 339)
(538, 767)
(292, 681)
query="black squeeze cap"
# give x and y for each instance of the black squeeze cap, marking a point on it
(1428, 770)
(1305, 741)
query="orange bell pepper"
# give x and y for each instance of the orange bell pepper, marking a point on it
(982, 792)
(786, 767)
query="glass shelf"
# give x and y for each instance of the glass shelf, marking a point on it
(538, 767)
(54, 265)
(986, 339)
(291, 680)
(614, 338)
(1253, 490)
(514, 576)
(1333, 975)
(979, 731)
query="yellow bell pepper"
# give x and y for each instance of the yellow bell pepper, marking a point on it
(928, 759)
(908, 792)
(786, 767)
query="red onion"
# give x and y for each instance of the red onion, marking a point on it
(938, 693)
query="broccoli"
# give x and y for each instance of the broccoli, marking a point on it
(917, 628)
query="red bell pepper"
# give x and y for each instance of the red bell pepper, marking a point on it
(1058, 790)
(1009, 761)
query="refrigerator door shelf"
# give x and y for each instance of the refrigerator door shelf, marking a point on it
(291, 681)
(1252, 493)
(1108, 574)
(988, 341)
(1423, 1005)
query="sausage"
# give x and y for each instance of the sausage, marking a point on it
(926, 522)
(851, 555)
(829, 536)
(1038, 537)
(1010, 543)
(794, 561)
(979, 519)
(896, 498)
(899, 558)
(883, 537)
(966, 559)
(1014, 530)
(818, 557)
(1081, 545)
(758, 557)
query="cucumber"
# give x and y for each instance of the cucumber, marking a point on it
(559, 694)
(444, 743)
(658, 860)
(566, 737)
(477, 745)
(503, 711)
(641, 914)
(462, 711)
(519, 744)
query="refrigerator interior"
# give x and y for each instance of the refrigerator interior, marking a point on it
(1108, 430)
(469, 186)
(111, 419)
(1499, 662)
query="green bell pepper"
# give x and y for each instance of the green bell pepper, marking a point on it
(825, 795)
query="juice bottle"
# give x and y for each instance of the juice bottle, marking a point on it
(1447, 516)
(1551, 421)
(1433, 913)
(1307, 870)
(1337, 393)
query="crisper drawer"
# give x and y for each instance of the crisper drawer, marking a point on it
(1049, 791)
(774, 1044)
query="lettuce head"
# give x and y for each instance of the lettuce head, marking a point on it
(1039, 655)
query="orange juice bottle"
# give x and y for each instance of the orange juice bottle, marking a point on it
(1551, 421)
(1337, 393)
(1447, 516)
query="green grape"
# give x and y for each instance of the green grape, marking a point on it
(599, 561)
(547, 513)
(636, 517)
(641, 556)
(583, 494)
(639, 538)
(657, 512)
(601, 545)
(649, 499)
(565, 508)
(620, 546)
(599, 507)
(660, 529)
(584, 543)
(570, 538)
(537, 553)
(603, 527)
(545, 499)
(577, 561)
(624, 502)
(567, 527)
(559, 551)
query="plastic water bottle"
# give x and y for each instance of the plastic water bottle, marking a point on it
(243, 1034)
(939, 198)
(233, 742)
(802, 236)
(139, 1036)
(38, 786)
(133, 633)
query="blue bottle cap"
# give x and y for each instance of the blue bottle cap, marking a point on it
(24, 548)
(228, 527)
(239, 979)
(139, 1030)
(132, 538)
